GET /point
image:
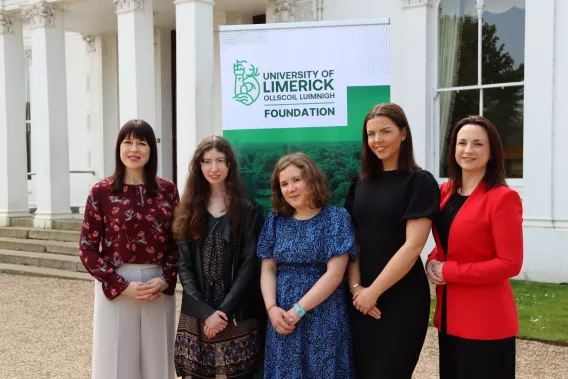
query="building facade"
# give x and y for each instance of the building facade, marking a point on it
(73, 71)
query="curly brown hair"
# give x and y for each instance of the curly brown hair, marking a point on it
(190, 216)
(318, 190)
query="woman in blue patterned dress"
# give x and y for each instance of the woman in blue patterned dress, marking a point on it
(305, 246)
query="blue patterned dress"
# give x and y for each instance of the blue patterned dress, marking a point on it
(320, 346)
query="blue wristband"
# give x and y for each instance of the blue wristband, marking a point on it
(299, 310)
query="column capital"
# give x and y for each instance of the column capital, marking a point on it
(6, 22)
(207, 2)
(89, 43)
(294, 10)
(40, 14)
(419, 3)
(126, 6)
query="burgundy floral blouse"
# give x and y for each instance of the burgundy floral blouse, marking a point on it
(129, 227)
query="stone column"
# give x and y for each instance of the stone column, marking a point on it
(49, 113)
(13, 178)
(136, 66)
(195, 67)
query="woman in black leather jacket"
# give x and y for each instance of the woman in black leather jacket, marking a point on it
(219, 332)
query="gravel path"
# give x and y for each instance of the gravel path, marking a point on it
(45, 332)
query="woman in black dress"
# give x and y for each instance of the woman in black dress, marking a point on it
(392, 203)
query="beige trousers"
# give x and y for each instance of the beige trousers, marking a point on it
(134, 340)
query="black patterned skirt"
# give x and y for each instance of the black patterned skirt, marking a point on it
(233, 353)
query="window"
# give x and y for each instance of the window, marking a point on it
(481, 47)
(27, 62)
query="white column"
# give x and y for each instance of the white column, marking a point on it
(136, 67)
(195, 67)
(13, 178)
(539, 113)
(412, 74)
(164, 115)
(49, 113)
(560, 173)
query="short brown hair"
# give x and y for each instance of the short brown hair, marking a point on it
(318, 190)
(495, 173)
(371, 165)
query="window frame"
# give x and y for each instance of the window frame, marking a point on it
(515, 183)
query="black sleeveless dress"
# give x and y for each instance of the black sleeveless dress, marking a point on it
(380, 208)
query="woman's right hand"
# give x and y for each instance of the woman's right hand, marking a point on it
(431, 275)
(281, 320)
(373, 312)
(133, 290)
(215, 324)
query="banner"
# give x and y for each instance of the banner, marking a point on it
(301, 87)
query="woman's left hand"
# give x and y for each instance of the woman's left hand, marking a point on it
(295, 318)
(152, 289)
(365, 300)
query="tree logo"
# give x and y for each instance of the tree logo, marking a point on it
(247, 86)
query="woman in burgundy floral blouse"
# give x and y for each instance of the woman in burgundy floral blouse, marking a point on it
(219, 332)
(128, 247)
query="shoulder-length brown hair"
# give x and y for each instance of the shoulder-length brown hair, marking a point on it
(191, 213)
(371, 165)
(495, 173)
(318, 190)
(139, 129)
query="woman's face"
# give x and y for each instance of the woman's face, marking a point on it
(214, 166)
(134, 153)
(294, 187)
(384, 139)
(472, 148)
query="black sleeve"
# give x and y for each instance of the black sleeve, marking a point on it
(351, 198)
(422, 196)
(247, 270)
(196, 307)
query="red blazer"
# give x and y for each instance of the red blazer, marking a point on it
(485, 249)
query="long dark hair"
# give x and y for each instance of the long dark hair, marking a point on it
(495, 173)
(189, 224)
(139, 129)
(371, 165)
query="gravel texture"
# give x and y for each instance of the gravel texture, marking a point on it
(46, 332)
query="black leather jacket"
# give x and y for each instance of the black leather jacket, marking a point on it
(243, 299)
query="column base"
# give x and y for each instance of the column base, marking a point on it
(44, 220)
(5, 217)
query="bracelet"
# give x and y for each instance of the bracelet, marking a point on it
(268, 309)
(354, 286)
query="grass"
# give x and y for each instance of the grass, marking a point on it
(542, 308)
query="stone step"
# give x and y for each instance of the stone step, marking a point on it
(70, 224)
(27, 222)
(40, 246)
(42, 271)
(40, 234)
(54, 261)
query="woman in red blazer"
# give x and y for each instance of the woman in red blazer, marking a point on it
(479, 246)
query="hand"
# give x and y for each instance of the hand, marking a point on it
(133, 290)
(281, 320)
(374, 312)
(294, 316)
(434, 272)
(215, 324)
(152, 289)
(364, 300)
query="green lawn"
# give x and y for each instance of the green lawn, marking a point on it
(543, 310)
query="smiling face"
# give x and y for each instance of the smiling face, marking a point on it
(294, 187)
(384, 139)
(134, 153)
(472, 149)
(214, 166)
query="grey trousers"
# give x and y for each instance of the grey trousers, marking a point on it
(134, 340)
